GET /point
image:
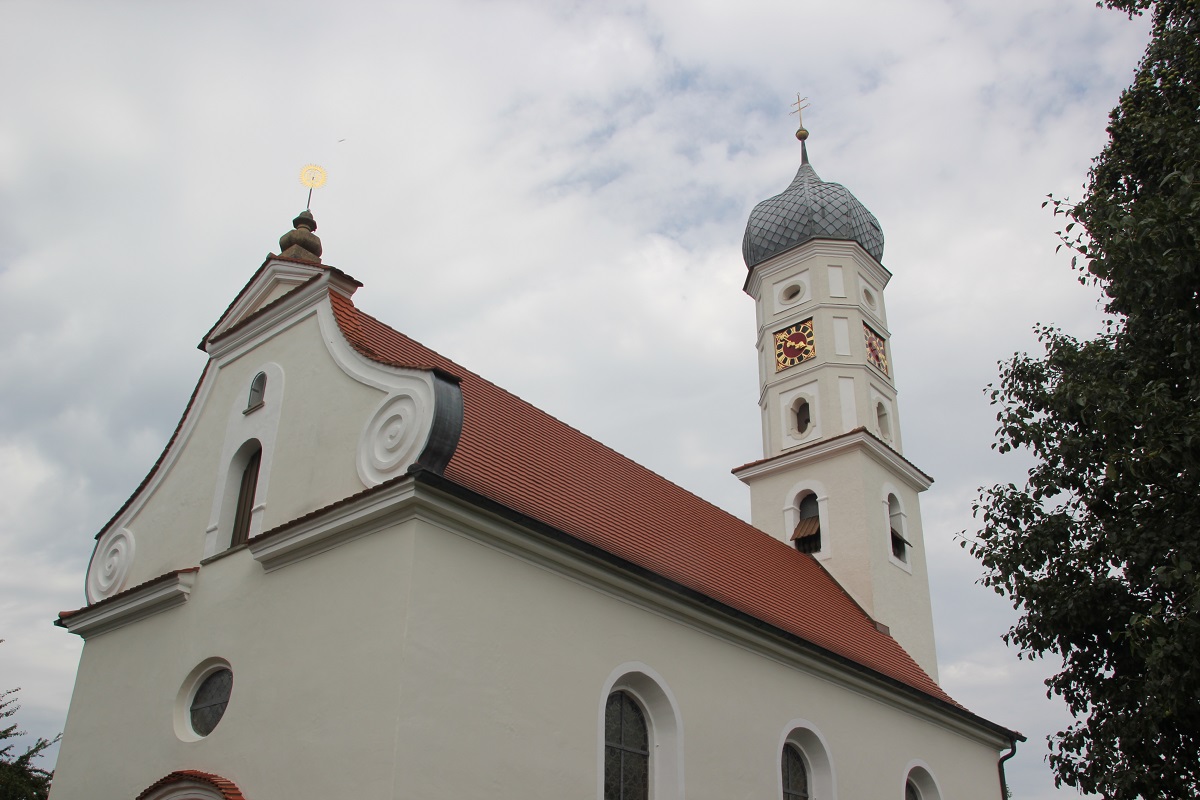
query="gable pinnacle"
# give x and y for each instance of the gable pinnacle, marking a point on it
(301, 243)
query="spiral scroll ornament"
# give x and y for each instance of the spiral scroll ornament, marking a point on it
(110, 564)
(392, 439)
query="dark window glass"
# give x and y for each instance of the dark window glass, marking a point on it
(803, 417)
(208, 706)
(245, 504)
(626, 750)
(795, 774)
(258, 390)
(910, 792)
(899, 543)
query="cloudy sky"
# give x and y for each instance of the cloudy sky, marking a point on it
(554, 195)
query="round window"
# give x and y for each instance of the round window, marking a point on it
(210, 701)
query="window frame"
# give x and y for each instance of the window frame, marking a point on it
(626, 703)
(653, 696)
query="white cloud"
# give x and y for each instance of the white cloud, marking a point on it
(568, 181)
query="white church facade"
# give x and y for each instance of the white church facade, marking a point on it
(360, 570)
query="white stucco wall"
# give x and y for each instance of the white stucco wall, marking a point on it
(317, 409)
(429, 660)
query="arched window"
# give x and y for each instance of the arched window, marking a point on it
(806, 769)
(245, 500)
(807, 534)
(626, 749)
(258, 392)
(900, 544)
(795, 774)
(882, 422)
(802, 416)
(639, 737)
(919, 783)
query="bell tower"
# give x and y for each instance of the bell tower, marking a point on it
(833, 480)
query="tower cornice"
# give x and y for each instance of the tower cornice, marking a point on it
(834, 248)
(857, 439)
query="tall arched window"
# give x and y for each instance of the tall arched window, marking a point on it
(807, 534)
(900, 544)
(626, 749)
(795, 774)
(245, 501)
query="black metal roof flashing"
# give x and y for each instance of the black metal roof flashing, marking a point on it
(808, 209)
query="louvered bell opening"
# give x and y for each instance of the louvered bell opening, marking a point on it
(807, 535)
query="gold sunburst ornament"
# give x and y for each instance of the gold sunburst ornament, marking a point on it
(313, 177)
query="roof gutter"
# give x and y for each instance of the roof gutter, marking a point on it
(1012, 751)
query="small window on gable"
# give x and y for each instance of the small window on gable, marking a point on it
(795, 774)
(258, 392)
(245, 501)
(900, 545)
(807, 534)
(626, 749)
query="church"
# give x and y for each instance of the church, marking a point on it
(359, 570)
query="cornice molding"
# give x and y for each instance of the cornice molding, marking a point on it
(276, 273)
(131, 606)
(437, 502)
(820, 451)
(836, 248)
(644, 591)
(368, 513)
(280, 313)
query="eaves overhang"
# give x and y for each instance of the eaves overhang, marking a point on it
(597, 565)
(859, 438)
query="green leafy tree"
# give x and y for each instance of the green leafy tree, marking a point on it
(19, 778)
(1100, 549)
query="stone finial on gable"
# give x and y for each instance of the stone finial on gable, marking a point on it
(301, 243)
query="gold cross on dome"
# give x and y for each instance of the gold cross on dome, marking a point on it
(800, 104)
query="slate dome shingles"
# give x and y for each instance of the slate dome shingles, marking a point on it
(808, 209)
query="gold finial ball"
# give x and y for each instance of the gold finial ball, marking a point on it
(312, 176)
(802, 134)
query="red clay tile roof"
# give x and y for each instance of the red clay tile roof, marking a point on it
(523, 458)
(227, 789)
(527, 460)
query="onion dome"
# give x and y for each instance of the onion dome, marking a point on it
(300, 242)
(808, 209)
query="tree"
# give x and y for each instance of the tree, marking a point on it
(1100, 549)
(19, 778)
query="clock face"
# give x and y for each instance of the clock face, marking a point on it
(876, 352)
(794, 345)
